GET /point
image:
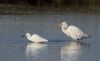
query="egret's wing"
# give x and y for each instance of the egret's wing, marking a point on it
(39, 38)
(76, 32)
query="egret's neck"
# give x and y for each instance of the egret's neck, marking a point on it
(64, 27)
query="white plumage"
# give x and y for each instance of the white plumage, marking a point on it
(73, 32)
(35, 38)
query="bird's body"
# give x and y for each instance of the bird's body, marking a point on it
(35, 38)
(73, 32)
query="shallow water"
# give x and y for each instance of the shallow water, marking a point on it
(53, 51)
(15, 48)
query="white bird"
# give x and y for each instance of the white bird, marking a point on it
(35, 38)
(73, 32)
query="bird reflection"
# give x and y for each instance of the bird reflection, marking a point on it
(34, 50)
(72, 51)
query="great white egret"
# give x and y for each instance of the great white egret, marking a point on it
(35, 38)
(73, 32)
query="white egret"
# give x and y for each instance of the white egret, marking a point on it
(73, 32)
(35, 38)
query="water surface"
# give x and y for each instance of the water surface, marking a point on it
(55, 51)
(15, 48)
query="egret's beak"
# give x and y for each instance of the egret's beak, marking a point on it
(59, 25)
(22, 36)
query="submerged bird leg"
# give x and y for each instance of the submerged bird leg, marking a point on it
(74, 40)
(80, 38)
(42, 42)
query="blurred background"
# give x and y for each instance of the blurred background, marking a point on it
(27, 6)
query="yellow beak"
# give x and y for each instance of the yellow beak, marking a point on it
(59, 25)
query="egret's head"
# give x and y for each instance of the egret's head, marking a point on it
(27, 34)
(64, 23)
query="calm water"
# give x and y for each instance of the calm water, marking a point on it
(53, 51)
(15, 48)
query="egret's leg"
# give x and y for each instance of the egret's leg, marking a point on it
(74, 40)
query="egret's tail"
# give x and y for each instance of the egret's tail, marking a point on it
(89, 36)
(84, 37)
